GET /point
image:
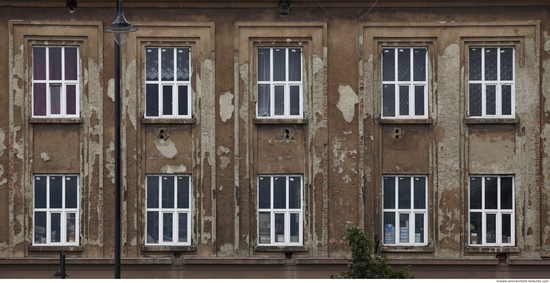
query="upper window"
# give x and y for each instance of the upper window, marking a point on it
(404, 82)
(280, 210)
(491, 82)
(405, 210)
(492, 211)
(168, 210)
(55, 82)
(55, 210)
(279, 83)
(167, 82)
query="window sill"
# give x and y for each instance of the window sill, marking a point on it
(55, 120)
(192, 248)
(280, 249)
(491, 249)
(384, 121)
(406, 249)
(55, 248)
(168, 121)
(279, 121)
(474, 121)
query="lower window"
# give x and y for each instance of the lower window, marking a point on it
(492, 211)
(55, 210)
(405, 210)
(168, 219)
(280, 210)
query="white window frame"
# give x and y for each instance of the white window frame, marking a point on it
(286, 211)
(63, 83)
(498, 212)
(63, 211)
(410, 211)
(175, 212)
(175, 84)
(498, 83)
(287, 83)
(411, 84)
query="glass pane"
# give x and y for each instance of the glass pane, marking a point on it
(491, 193)
(419, 193)
(506, 63)
(474, 67)
(491, 228)
(294, 194)
(279, 100)
(40, 192)
(404, 190)
(56, 192)
(506, 100)
(264, 227)
(183, 64)
(71, 227)
(476, 234)
(167, 101)
(279, 64)
(419, 228)
(71, 192)
(183, 100)
(39, 99)
(491, 63)
(294, 228)
(264, 192)
(152, 100)
(388, 100)
(55, 100)
(152, 192)
(71, 63)
(475, 100)
(506, 192)
(506, 228)
(152, 227)
(419, 64)
(419, 100)
(40, 227)
(490, 100)
(388, 65)
(182, 224)
(55, 224)
(263, 64)
(404, 64)
(71, 100)
(55, 63)
(389, 192)
(295, 64)
(167, 192)
(403, 228)
(183, 192)
(475, 192)
(167, 63)
(294, 100)
(263, 101)
(152, 63)
(279, 228)
(279, 192)
(389, 228)
(403, 100)
(39, 63)
(167, 227)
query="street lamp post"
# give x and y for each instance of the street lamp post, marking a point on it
(120, 29)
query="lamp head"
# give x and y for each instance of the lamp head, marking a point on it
(120, 28)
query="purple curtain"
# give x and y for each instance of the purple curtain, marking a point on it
(39, 99)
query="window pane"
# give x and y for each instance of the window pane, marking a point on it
(56, 192)
(55, 224)
(183, 192)
(264, 227)
(40, 227)
(419, 100)
(151, 100)
(167, 227)
(264, 192)
(294, 100)
(419, 64)
(55, 99)
(40, 192)
(39, 63)
(295, 64)
(475, 193)
(279, 64)
(167, 63)
(167, 192)
(403, 100)
(71, 227)
(389, 228)
(419, 228)
(39, 99)
(490, 63)
(506, 228)
(71, 192)
(476, 234)
(152, 61)
(388, 100)
(55, 63)
(71, 63)
(474, 67)
(71, 99)
(404, 189)
(506, 63)
(404, 64)
(279, 100)
(182, 224)
(263, 64)
(167, 102)
(152, 227)
(490, 100)
(506, 192)
(152, 192)
(419, 193)
(403, 228)
(263, 101)
(491, 192)
(183, 100)
(279, 228)
(183, 64)
(491, 220)
(294, 196)
(279, 192)
(389, 192)
(506, 100)
(475, 100)
(388, 64)
(294, 228)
